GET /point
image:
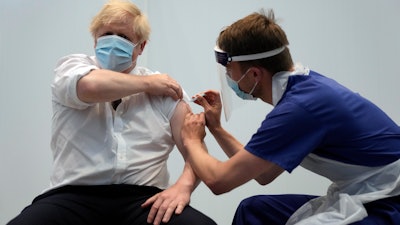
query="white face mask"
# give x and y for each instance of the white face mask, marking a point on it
(235, 87)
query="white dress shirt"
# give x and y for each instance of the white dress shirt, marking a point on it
(94, 145)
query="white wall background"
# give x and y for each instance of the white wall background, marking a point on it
(355, 42)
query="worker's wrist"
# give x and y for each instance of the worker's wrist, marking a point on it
(215, 129)
(188, 143)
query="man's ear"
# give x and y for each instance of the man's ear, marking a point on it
(257, 73)
(142, 45)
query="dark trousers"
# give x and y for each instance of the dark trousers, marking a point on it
(105, 204)
(276, 210)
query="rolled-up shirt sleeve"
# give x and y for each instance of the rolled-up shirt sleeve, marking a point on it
(68, 71)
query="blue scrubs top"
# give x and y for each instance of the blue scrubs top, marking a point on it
(318, 115)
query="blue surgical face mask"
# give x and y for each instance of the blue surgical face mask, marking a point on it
(114, 53)
(235, 87)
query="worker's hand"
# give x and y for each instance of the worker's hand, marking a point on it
(166, 203)
(211, 102)
(162, 84)
(193, 128)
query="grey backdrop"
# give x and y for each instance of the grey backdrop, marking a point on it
(355, 42)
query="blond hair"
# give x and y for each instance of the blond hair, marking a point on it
(119, 11)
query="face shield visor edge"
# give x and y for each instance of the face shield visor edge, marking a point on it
(223, 58)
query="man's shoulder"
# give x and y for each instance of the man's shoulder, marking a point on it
(140, 70)
(77, 57)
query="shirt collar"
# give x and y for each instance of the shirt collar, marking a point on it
(279, 81)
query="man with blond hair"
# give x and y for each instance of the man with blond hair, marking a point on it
(114, 125)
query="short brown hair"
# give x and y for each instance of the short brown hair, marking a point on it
(256, 33)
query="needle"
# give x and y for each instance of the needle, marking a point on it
(195, 98)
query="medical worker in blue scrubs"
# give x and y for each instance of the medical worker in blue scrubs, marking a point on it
(316, 123)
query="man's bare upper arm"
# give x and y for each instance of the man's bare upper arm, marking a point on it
(177, 121)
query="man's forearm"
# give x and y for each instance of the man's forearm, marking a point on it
(188, 178)
(104, 86)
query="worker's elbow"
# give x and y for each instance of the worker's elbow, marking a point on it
(217, 187)
(262, 182)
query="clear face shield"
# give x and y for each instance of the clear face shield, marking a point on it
(223, 58)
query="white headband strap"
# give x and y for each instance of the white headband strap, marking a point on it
(258, 55)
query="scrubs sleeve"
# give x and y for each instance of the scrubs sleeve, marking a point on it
(68, 71)
(287, 135)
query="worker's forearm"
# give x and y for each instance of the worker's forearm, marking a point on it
(202, 163)
(228, 143)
